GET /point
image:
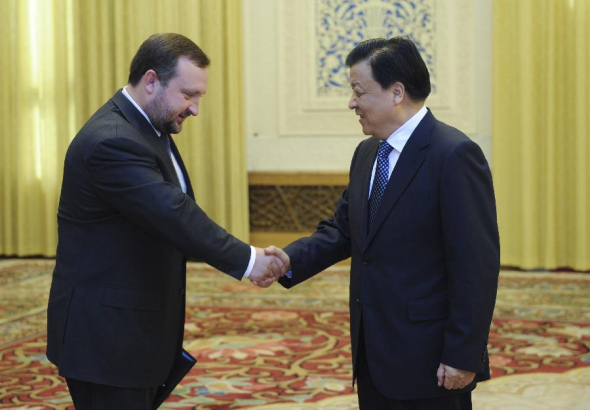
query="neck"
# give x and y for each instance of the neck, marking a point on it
(137, 96)
(408, 110)
(402, 113)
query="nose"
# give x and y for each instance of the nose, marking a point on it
(194, 107)
(352, 102)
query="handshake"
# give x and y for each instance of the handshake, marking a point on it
(271, 263)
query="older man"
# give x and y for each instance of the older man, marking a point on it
(419, 219)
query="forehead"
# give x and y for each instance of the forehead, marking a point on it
(190, 77)
(361, 75)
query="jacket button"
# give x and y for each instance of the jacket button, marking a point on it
(358, 302)
(181, 292)
(365, 262)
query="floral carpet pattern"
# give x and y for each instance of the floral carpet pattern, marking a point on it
(277, 349)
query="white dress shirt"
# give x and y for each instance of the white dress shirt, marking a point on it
(398, 141)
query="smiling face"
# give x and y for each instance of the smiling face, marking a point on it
(374, 105)
(172, 104)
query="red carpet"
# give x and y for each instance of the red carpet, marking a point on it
(273, 347)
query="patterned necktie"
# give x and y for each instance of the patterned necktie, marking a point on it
(380, 180)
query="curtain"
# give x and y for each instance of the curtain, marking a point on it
(62, 59)
(541, 147)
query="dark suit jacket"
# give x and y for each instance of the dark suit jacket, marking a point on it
(116, 305)
(425, 276)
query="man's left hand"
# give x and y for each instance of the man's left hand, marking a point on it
(453, 378)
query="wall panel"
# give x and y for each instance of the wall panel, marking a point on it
(297, 86)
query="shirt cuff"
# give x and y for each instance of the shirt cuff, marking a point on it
(251, 263)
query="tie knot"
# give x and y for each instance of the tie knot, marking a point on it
(384, 149)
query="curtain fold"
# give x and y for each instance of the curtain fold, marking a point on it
(541, 111)
(62, 59)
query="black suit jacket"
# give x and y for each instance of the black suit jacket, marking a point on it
(116, 305)
(425, 277)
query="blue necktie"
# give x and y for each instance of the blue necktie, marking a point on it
(166, 140)
(380, 180)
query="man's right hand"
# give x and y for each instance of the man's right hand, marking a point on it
(279, 253)
(267, 269)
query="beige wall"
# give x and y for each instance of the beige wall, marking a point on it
(291, 126)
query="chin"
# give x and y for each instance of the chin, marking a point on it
(174, 128)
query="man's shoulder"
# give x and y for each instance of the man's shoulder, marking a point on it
(109, 115)
(448, 131)
(105, 124)
(107, 121)
(447, 137)
(369, 143)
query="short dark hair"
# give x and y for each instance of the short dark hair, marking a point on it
(160, 52)
(394, 60)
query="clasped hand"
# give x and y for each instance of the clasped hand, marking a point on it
(271, 263)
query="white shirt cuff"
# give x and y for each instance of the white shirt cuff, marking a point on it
(251, 263)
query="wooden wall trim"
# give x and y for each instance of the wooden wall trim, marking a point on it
(292, 202)
(298, 178)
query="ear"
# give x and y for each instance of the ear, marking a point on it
(150, 81)
(398, 92)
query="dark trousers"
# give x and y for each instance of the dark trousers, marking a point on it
(371, 399)
(91, 396)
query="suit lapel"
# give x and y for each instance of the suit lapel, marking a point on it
(189, 187)
(169, 163)
(366, 167)
(135, 118)
(408, 163)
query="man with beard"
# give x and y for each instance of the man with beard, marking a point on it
(127, 223)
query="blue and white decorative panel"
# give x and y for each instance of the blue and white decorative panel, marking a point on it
(313, 38)
(342, 24)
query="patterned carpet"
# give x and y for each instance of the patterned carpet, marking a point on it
(277, 349)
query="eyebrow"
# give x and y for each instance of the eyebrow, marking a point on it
(189, 92)
(356, 86)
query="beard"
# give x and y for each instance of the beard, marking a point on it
(162, 115)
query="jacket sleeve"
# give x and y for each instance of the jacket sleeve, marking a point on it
(329, 244)
(472, 254)
(125, 174)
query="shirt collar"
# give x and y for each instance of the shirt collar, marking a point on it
(126, 94)
(401, 136)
